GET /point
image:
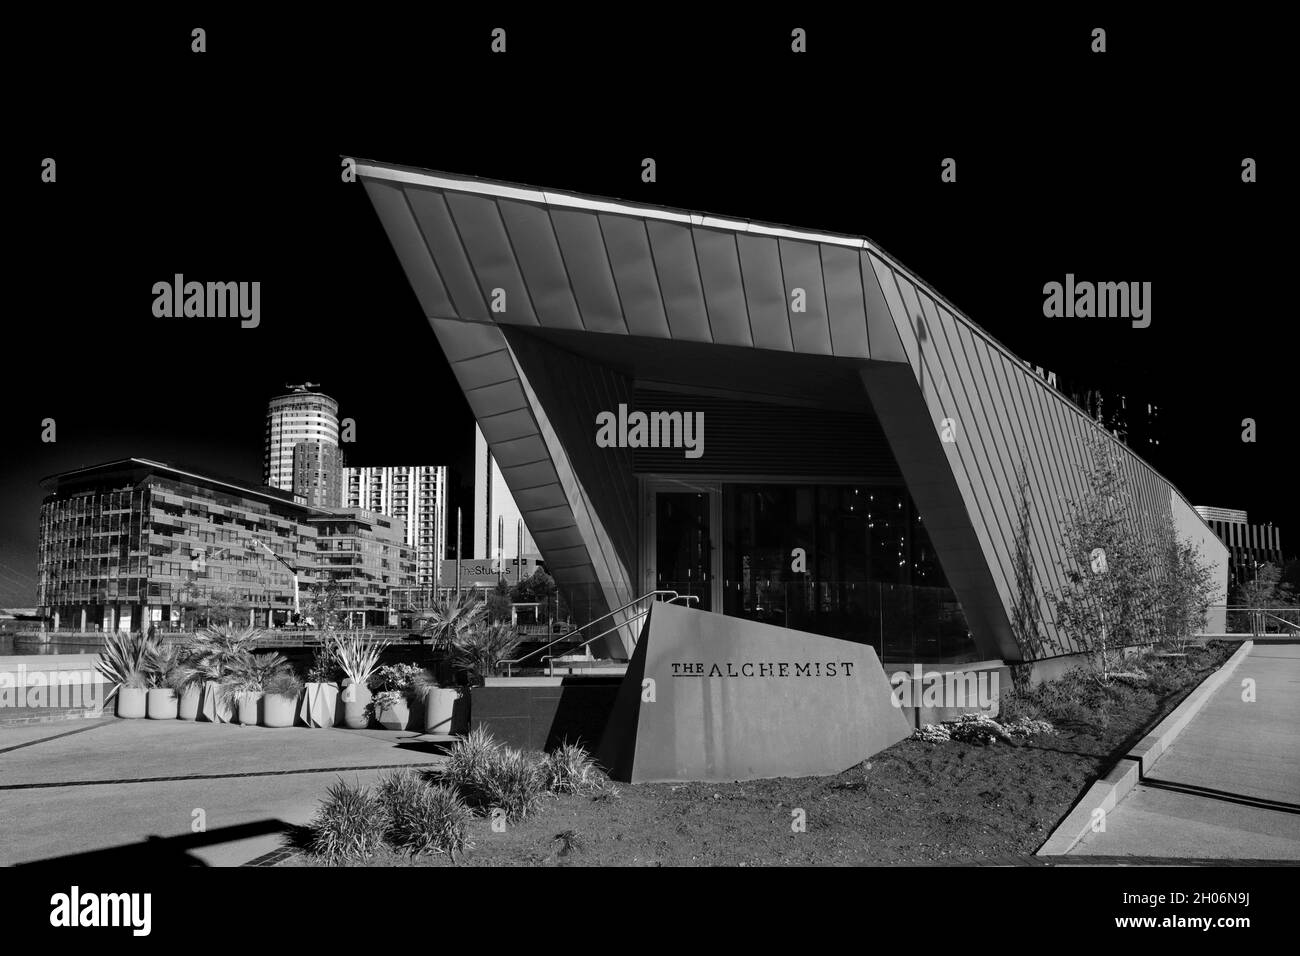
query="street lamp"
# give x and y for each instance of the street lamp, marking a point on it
(292, 570)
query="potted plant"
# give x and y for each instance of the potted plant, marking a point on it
(211, 653)
(398, 687)
(126, 662)
(321, 706)
(280, 698)
(358, 658)
(247, 676)
(442, 707)
(190, 694)
(165, 677)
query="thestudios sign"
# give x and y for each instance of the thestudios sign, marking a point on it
(711, 697)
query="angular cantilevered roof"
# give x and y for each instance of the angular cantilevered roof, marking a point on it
(963, 416)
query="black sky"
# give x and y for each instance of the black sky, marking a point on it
(224, 166)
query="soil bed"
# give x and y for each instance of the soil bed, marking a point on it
(913, 803)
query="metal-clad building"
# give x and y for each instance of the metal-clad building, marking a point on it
(857, 440)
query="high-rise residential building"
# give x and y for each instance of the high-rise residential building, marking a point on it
(497, 519)
(417, 494)
(300, 416)
(318, 474)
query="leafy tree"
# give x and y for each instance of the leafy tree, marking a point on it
(1264, 589)
(498, 603)
(537, 588)
(1102, 610)
(324, 606)
(1187, 586)
(540, 588)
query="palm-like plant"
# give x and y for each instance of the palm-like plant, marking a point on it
(357, 656)
(249, 673)
(210, 654)
(449, 620)
(127, 660)
(478, 651)
(167, 667)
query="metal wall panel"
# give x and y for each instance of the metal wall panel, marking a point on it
(583, 245)
(845, 309)
(487, 245)
(412, 252)
(628, 248)
(533, 239)
(801, 267)
(724, 291)
(430, 210)
(760, 267)
(641, 274)
(679, 280)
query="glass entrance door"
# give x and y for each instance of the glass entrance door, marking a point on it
(685, 552)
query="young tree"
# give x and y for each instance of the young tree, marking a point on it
(1263, 589)
(1109, 598)
(324, 606)
(1186, 586)
(498, 603)
(1024, 607)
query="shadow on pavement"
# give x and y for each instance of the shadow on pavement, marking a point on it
(167, 851)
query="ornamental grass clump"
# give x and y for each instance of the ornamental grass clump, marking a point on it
(514, 784)
(349, 826)
(570, 769)
(423, 817)
(491, 777)
(468, 759)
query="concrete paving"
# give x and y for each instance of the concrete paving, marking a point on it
(130, 789)
(1229, 785)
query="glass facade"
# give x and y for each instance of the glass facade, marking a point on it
(845, 560)
(140, 541)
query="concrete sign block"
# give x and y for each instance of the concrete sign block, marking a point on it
(710, 697)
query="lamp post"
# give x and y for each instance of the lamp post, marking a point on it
(297, 610)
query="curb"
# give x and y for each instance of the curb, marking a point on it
(1107, 792)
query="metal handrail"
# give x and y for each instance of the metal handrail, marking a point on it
(510, 662)
(640, 614)
(1281, 620)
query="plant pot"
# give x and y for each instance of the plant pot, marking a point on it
(278, 710)
(249, 703)
(212, 707)
(188, 706)
(162, 703)
(439, 709)
(356, 698)
(131, 702)
(321, 706)
(393, 716)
